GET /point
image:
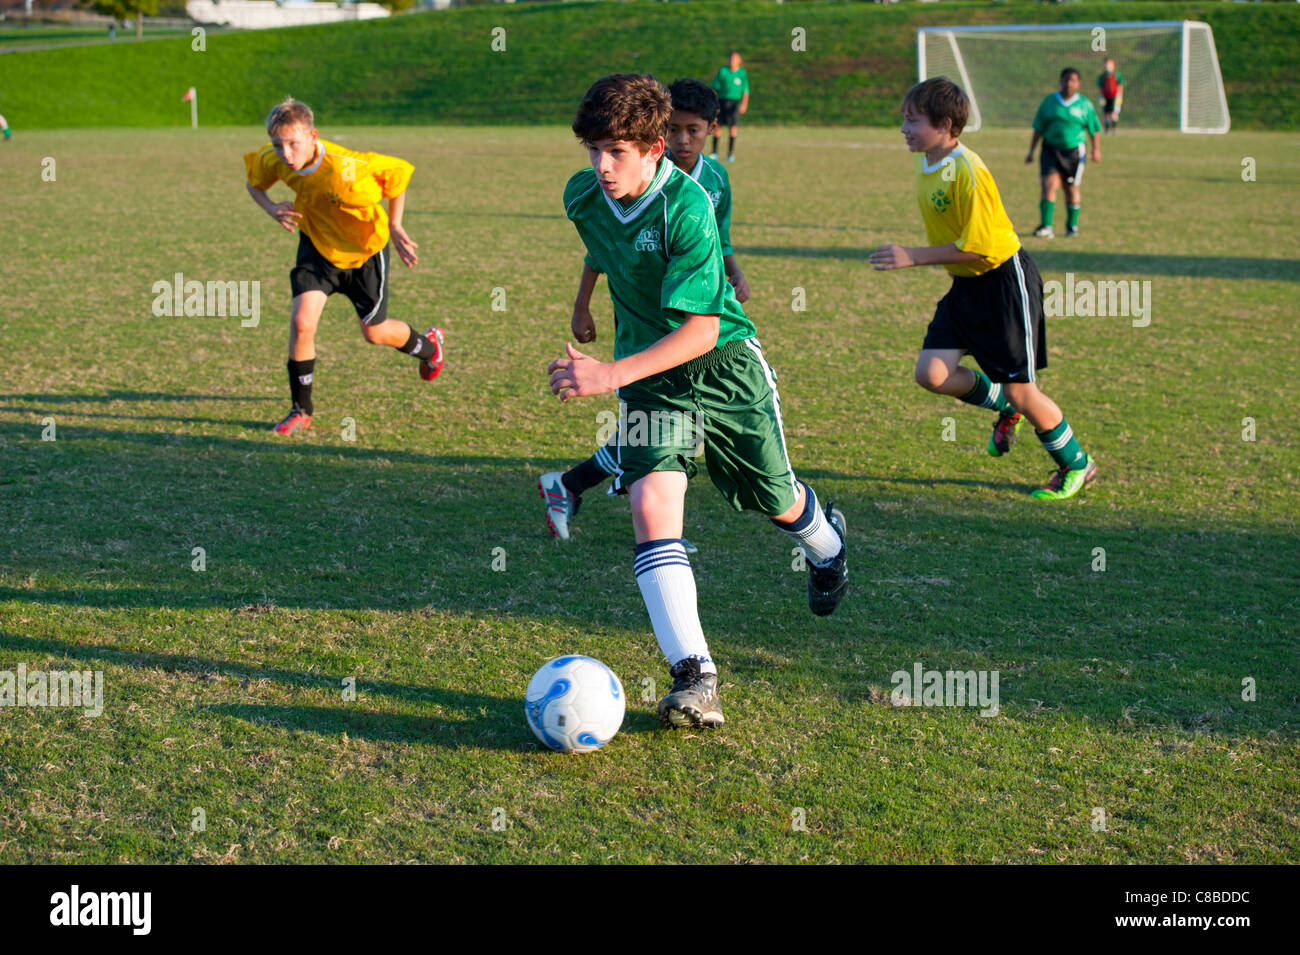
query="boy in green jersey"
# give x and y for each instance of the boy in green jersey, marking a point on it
(686, 364)
(695, 110)
(994, 309)
(731, 83)
(1063, 121)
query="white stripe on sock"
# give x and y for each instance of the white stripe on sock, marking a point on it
(668, 587)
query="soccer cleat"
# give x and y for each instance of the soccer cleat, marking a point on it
(713, 155)
(1066, 482)
(1004, 433)
(693, 700)
(1071, 230)
(1044, 232)
(689, 547)
(731, 159)
(561, 503)
(294, 421)
(827, 585)
(429, 367)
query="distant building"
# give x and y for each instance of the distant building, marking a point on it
(263, 14)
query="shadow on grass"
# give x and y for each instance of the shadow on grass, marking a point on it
(113, 395)
(175, 419)
(491, 722)
(503, 729)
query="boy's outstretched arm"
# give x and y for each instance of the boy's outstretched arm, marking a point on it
(282, 212)
(893, 256)
(582, 324)
(406, 246)
(580, 376)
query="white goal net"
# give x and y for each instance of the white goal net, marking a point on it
(1170, 69)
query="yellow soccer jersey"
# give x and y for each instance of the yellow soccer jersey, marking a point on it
(338, 196)
(960, 203)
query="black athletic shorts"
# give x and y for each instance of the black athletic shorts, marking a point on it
(366, 286)
(1109, 105)
(1067, 162)
(998, 318)
(729, 112)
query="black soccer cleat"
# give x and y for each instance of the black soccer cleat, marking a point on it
(827, 585)
(693, 700)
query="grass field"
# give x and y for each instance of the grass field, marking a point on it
(328, 559)
(441, 67)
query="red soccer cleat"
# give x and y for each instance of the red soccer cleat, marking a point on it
(295, 420)
(430, 367)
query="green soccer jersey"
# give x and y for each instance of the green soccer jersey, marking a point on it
(1063, 123)
(660, 255)
(731, 84)
(712, 175)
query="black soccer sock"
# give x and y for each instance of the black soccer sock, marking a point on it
(731, 145)
(300, 378)
(584, 477)
(715, 145)
(418, 345)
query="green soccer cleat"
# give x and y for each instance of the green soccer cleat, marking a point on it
(693, 700)
(1066, 482)
(1004, 433)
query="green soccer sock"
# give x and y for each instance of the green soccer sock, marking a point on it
(1060, 443)
(986, 394)
(1072, 217)
(1046, 209)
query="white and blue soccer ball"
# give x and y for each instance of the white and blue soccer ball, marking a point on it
(574, 704)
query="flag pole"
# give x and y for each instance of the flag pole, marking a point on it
(194, 109)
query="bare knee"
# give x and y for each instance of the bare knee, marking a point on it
(372, 334)
(304, 327)
(931, 375)
(1021, 394)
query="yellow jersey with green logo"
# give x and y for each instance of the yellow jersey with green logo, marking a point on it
(960, 204)
(338, 195)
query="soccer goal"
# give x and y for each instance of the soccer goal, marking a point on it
(1170, 69)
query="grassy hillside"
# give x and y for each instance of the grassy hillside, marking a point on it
(441, 68)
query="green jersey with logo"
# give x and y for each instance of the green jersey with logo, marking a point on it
(1065, 123)
(660, 255)
(731, 84)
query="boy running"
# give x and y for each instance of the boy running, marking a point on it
(695, 111)
(994, 309)
(1111, 86)
(731, 83)
(1064, 119)
(342, 242)
(684, 351)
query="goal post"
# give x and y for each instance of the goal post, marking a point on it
(1170, 68)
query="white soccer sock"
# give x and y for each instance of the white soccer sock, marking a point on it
(667, 583)
(819, 540)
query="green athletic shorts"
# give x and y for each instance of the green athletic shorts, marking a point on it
(728, 399)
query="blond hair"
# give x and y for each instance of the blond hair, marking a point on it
(291, 112)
